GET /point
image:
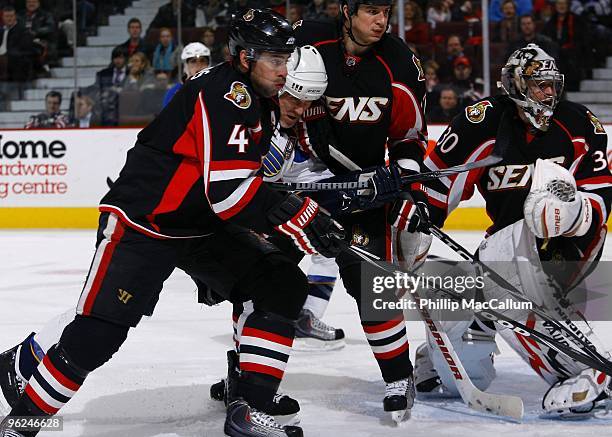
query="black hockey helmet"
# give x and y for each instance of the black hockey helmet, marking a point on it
(256, 30)
(353, 5)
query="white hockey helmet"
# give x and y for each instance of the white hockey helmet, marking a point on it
(195, 50)
(533, 81)
(306, 76)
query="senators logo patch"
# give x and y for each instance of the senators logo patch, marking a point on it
(250, 14)
(297, 24)
(417, 64)
(599, 129)
(476, 113)
(239, 95)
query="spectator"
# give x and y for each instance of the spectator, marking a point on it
(52, 118)
(16, 48)
(167, 15)
(295, 13)
(465, 12)
(430, 68)
(463, 82)
(315, 10)
(598, 15)
(163, 56)
(208, 39)
(109, 83)
(207, 13)
(115, 74)
(195, 57)
(570, 32)
(496, 14)
(135, 43)
(140, 76)
(508, 29)
(454, 48)
(600, 8)
(447, 108)
(431, 75)
(84, 113)
(41, 26)
(529, 35)
(416, 30)
(332, 10)
(438, 12)
(278, 6)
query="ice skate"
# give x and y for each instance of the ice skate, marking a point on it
(427, 382)
(244, 421)
(312, 334)
(284, 408)
(399, 399)
(11, 383)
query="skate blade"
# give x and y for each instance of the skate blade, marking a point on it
(400, 416)
(568, 416)
(315, 345)
(288, 420)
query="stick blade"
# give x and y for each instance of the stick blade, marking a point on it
(500, 405)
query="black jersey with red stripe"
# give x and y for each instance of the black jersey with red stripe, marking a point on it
(197, 163)
(575, 139)
(374, 100)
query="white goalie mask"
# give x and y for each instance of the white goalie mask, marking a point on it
(533, 81)
(306, 76)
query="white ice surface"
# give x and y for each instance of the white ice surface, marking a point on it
(158, 383)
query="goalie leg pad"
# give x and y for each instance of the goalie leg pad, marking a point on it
(475, 345)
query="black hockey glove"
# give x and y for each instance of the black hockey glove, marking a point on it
(311, 229)
(411, 214)
(386, 184)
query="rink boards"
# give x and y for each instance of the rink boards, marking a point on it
(55, 178)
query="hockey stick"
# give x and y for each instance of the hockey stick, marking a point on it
(496, 316)
(597, 361)
(476, 399)
(406, 180)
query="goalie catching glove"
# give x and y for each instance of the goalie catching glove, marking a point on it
(311, 228)
(553, 206)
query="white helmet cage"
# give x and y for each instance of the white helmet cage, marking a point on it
(531, 70)
(306, 75)
(195, 50)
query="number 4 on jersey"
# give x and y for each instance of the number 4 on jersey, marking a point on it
(239, 138)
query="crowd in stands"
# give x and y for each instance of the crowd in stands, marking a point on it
(446, 34)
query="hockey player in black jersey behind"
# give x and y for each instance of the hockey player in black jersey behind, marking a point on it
(188, 197)
(549, 199)
(373, 102)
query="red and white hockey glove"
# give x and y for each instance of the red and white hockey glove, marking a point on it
(311, 229)
(411, 215)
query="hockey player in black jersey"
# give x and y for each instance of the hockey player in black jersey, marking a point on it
(373, 102)
(188, 197)
(548, 199)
